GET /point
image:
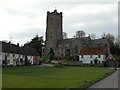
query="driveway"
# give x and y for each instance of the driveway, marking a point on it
(108, 82)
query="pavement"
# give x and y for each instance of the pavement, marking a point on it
(46, 65)
(110, 82)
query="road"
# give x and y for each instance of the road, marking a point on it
(108, 82)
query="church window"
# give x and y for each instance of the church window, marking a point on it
(76, 49)
(51, 35)
(51, 21)
(67, 52)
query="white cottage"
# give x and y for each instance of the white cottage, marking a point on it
(11, 54)
(93, 55)
(32, 55)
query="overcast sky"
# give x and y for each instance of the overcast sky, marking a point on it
(21, 20)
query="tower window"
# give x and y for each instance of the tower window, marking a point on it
(51, 34)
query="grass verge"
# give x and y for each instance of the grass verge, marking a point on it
(52, 77)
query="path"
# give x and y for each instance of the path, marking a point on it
(109, 82)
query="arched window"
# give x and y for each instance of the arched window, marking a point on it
(76, 49)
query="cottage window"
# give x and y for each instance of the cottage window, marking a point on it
(91, 62)
(8, 61)
(99, 56)
(8, 54)
(99, 62)
(91, 56)
(81, 56)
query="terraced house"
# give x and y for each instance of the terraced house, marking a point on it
(12, 54)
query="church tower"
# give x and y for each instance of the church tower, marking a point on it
(53, 31)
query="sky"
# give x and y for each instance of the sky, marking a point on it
(21, 20)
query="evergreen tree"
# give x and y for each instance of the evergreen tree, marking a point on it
(37, 43)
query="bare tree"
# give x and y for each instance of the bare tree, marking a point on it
(109, 37)
(80, 34)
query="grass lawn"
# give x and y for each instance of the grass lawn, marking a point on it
(51, 77)
(0, 77)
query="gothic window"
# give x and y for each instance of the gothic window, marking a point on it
(51, 34)
(76, 49)
(67, 52)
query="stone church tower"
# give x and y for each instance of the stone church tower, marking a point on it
(53, 31)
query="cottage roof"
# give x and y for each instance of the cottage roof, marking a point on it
(10, 48)
(94, 50)
(29, 50)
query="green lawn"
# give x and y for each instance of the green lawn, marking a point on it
(0, 77)
(51, 77)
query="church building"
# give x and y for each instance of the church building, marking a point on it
(69, 46)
